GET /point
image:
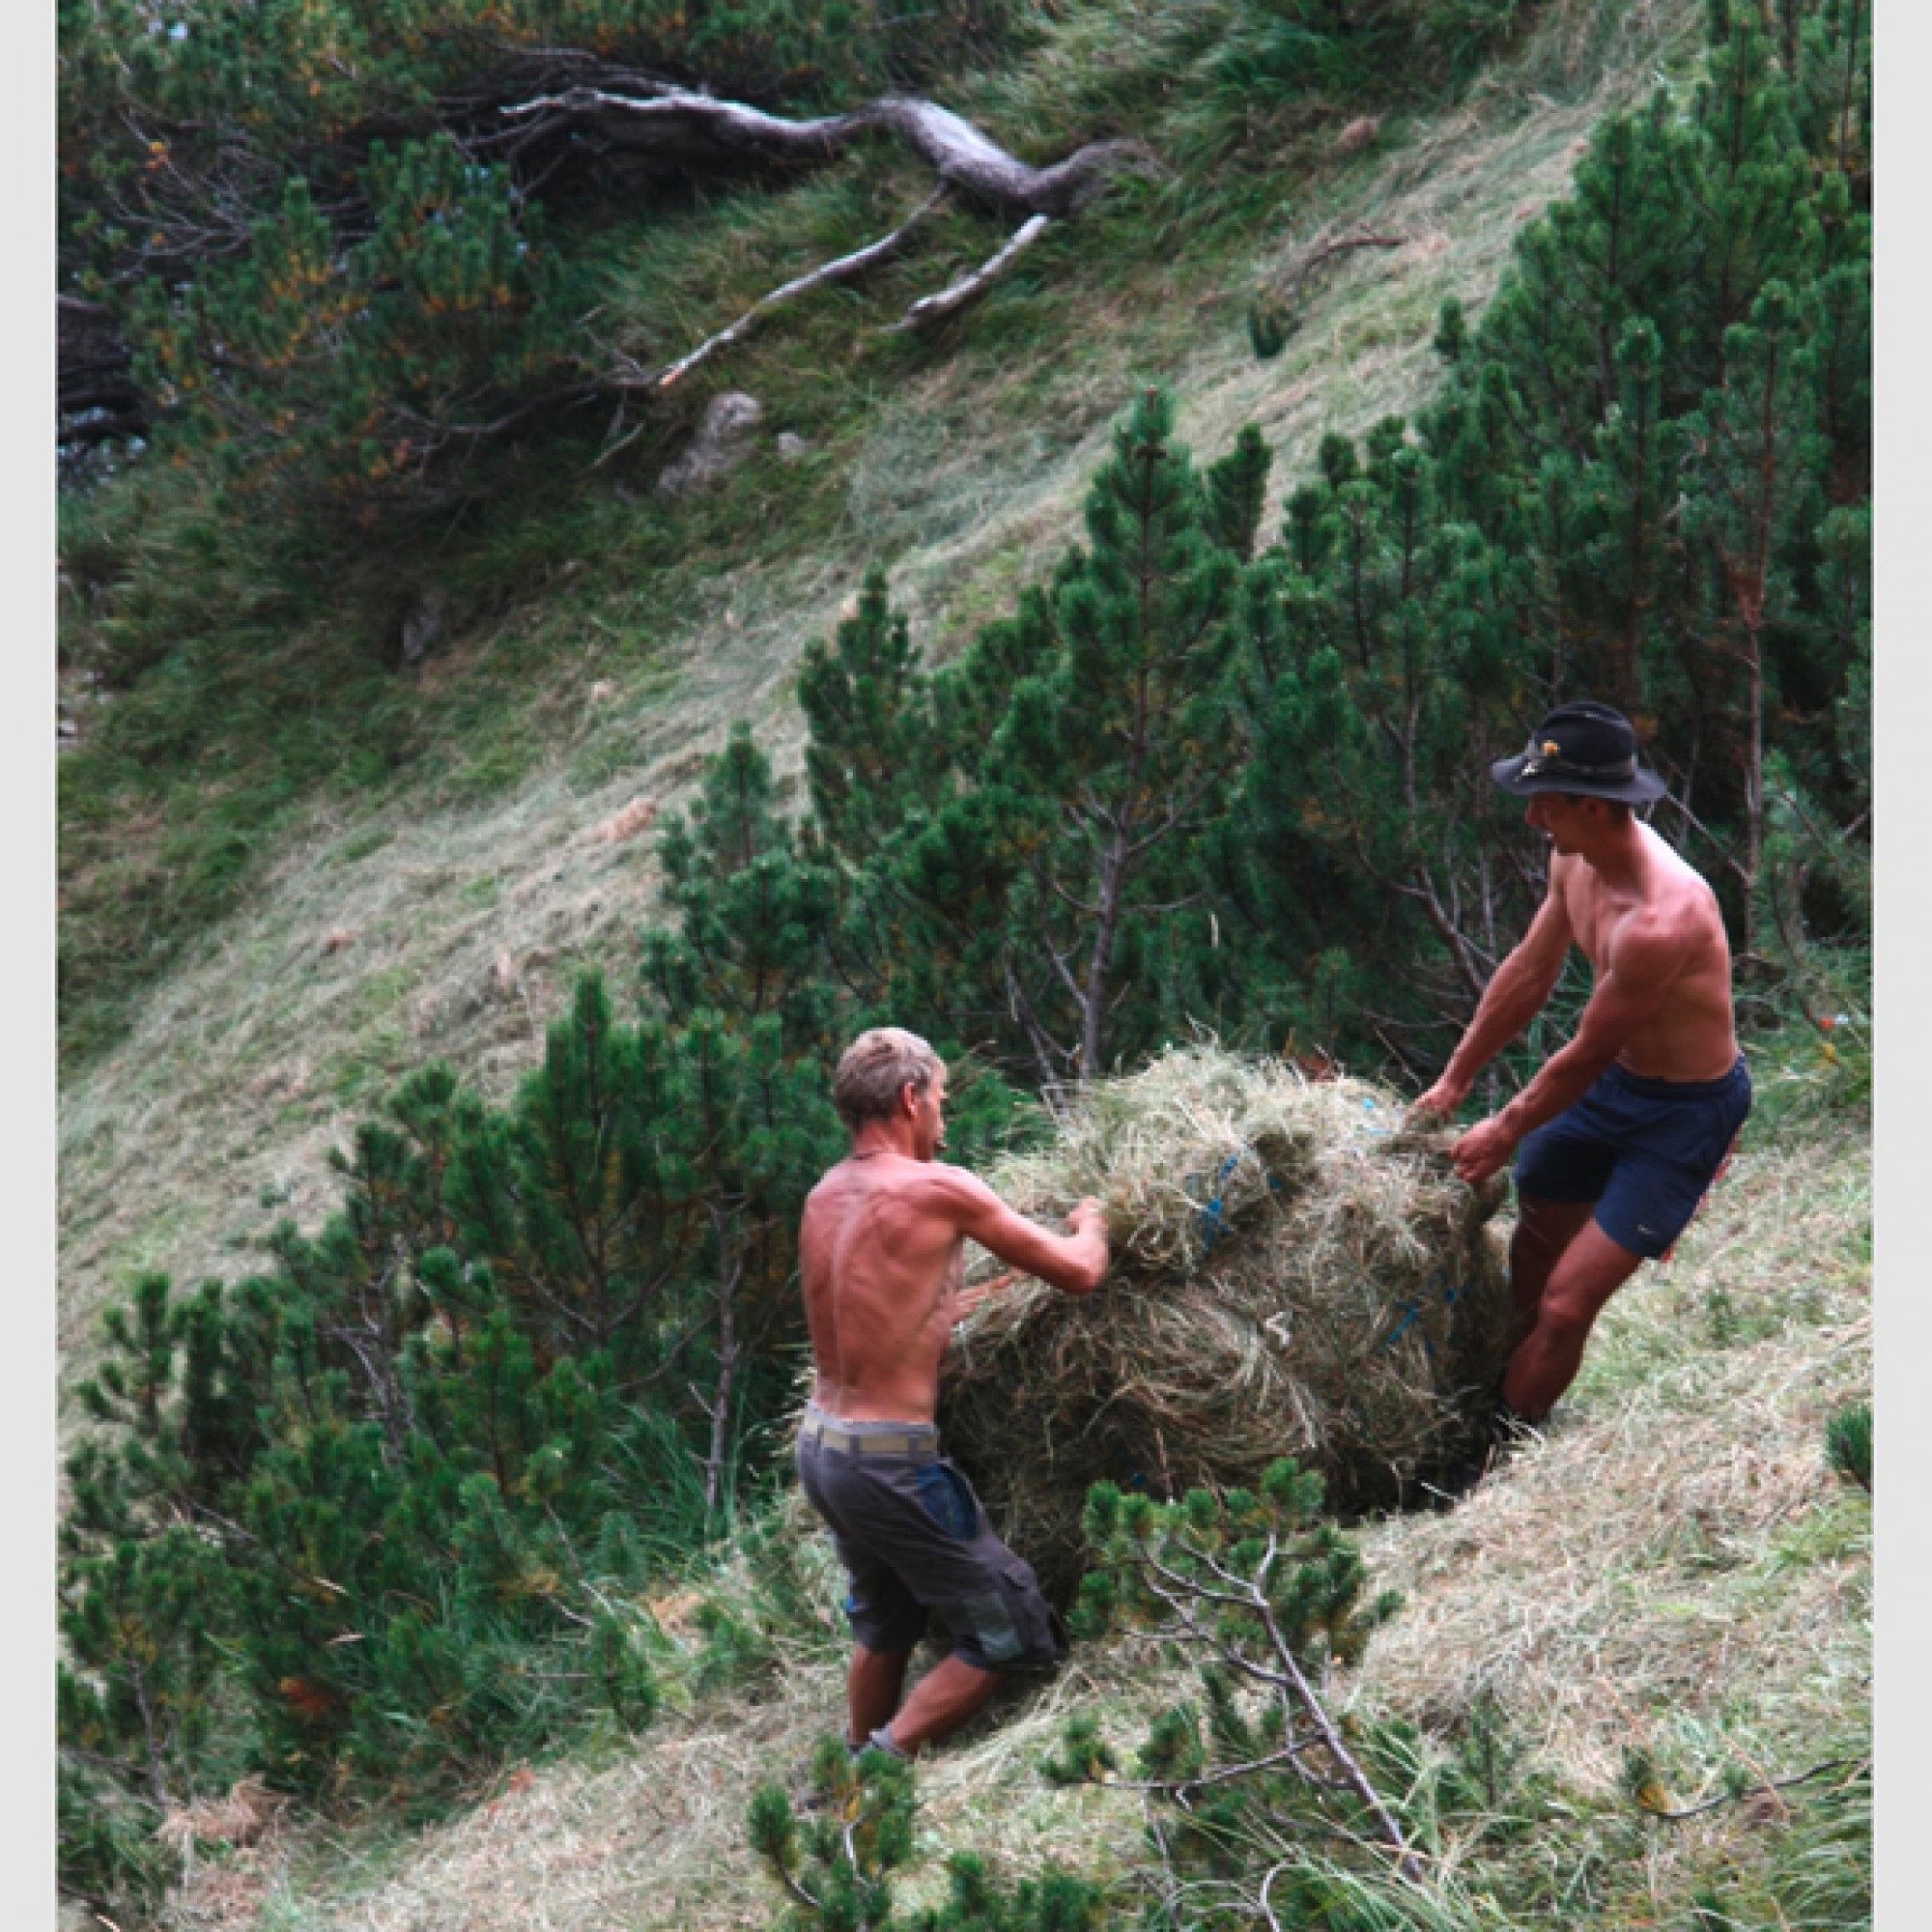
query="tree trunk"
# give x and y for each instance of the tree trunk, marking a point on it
(1753, 789)
(731, 1267)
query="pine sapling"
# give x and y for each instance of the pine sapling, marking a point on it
(1267, 1597)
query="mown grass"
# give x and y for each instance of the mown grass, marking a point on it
(1671, 1574)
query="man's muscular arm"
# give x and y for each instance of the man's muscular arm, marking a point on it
(1513, 998)
(1075, 1263)
(1643, 966)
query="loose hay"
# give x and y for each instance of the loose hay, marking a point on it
(1294, 1275)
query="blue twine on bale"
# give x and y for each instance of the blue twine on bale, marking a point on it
(1213, 1220)
(1451, 1294)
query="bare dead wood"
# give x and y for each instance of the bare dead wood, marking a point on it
(699, 129)
(639, 116)
(928, 311)
(1298, 271)
(688, 128)
(846, 269)
(1858, 1767)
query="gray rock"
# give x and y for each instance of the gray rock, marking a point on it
(791, 447)
(425, 625)
(722, 441)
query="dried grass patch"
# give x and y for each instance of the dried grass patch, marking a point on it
(1669, 1565)
(1674, 1554)
(654, 1841)
(1294, 1274)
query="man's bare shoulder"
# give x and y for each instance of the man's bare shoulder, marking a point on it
(940, 1184)
(1671, 930)
(828, 1187)
(1657, 938)
(927, 1186)
(1683, 899)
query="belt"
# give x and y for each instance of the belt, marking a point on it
(905, 1442)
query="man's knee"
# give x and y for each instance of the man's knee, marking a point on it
(1566, 1314)
(1581, 1285)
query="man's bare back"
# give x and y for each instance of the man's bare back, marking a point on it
(881, 1256)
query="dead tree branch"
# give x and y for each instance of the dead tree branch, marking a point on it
(846, 269)
(695, 129)
(931, 310)
(1296, 276)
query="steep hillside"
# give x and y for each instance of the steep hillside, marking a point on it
(1671, 1568)
(442, 918)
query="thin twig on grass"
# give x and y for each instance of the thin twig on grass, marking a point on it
(1304, 266)
(1858, 1764)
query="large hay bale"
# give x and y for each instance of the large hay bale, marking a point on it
(1294, 1275)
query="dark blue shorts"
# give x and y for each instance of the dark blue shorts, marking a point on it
(1643, 1150)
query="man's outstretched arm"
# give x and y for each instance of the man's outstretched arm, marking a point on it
(1075, 1263)
(1514, 997)
(1642, 969)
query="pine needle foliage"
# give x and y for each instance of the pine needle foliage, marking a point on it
(1032, 868)
(1848, 1443)
(1268, 1600)
(1646, 479)
(379, 1514)
(834, 1863)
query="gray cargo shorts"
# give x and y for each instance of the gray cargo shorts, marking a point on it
(913, 1538)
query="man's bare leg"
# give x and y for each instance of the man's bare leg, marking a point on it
(942, 1701)
(873, 1688)
(1544, 1231)
(1589, 1271)
(951, 1691)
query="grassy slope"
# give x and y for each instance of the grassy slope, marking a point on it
(1672, 1566)
(440, 909)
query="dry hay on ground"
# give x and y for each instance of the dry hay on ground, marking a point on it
(1674, 1549)
(1294, 1275)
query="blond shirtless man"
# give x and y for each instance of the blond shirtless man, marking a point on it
(881, 1254)
(1619, 1135)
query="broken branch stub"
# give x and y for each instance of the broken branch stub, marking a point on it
(845, 269)
(931, 310)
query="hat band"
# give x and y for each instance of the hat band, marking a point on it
(1537, 764)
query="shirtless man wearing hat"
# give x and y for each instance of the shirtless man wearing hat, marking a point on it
(1619, 1135)
(880, 1254)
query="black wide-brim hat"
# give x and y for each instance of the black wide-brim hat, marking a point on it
(1584, 748)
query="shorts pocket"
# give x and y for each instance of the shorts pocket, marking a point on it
(947, 1501)
(1721, 1135)
(990, 1621)
(1032, 1618)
